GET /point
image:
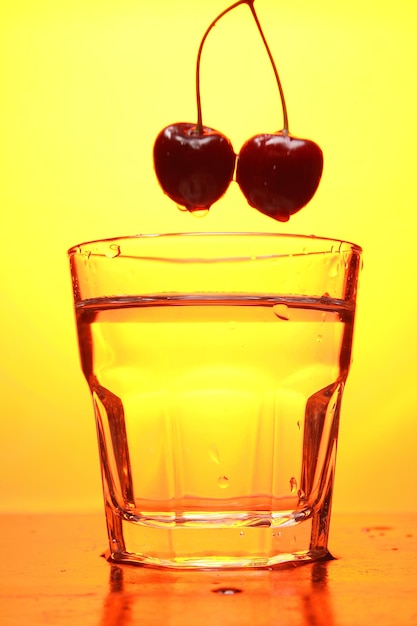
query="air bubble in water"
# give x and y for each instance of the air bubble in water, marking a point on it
(281, 311)
(223, 482)
(319, 338)
(113, 251)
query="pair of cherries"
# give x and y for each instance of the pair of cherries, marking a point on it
(277, 173)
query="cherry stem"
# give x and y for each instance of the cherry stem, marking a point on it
(200, 50)
(250, 3)
(274, 68)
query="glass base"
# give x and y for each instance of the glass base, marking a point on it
(236, 545)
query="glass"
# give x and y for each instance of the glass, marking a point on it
(216, 364)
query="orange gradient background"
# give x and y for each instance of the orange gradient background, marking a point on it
(86, 86)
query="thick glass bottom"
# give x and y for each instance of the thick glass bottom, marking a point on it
(242, 544)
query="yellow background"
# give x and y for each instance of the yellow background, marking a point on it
(85, 87)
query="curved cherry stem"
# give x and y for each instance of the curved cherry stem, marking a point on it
(274, 67)
(250, 4)
(200, 50)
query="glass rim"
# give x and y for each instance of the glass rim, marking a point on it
(75, 248)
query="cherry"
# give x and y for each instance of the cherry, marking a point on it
(194, 165)
(279, 174)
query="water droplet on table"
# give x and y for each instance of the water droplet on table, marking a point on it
(227, 591)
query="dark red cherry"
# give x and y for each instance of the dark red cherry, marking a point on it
(278, 173)
(194, 167)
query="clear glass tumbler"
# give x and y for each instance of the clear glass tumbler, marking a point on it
(216, 364)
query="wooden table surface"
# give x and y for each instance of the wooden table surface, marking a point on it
(52, 573)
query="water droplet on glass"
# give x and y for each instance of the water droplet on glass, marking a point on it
(293, 484)
(242, 534)
(301, 494)
(214, 454)
(281, 311)
(299, 425)
(113, 251)
(223, 482)
(334, 268)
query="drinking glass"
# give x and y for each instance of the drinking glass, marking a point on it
(216, 364)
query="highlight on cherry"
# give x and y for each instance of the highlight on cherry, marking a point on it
(277, 173)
